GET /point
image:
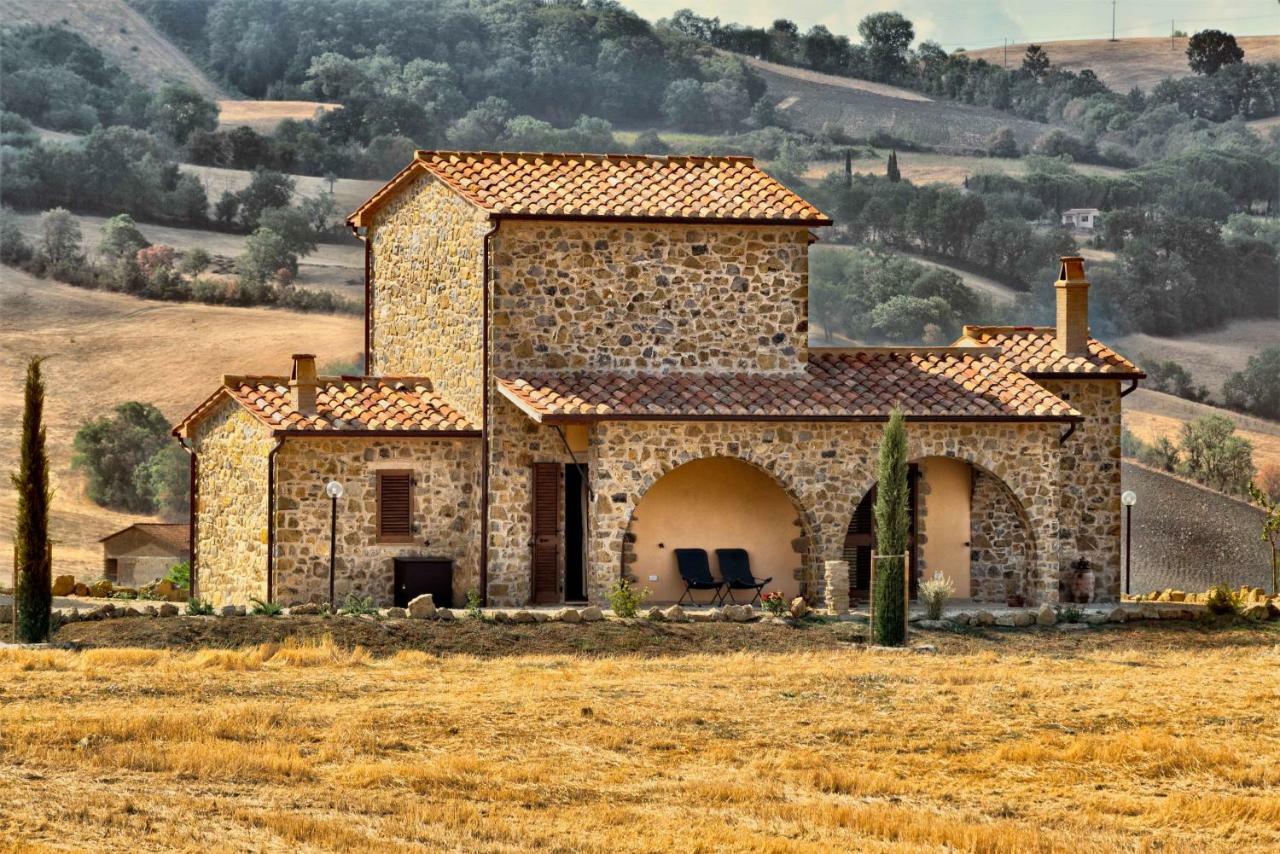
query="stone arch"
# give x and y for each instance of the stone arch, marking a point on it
(613, 545)
(1005, 538)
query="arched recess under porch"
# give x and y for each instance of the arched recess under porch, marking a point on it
(966, 523)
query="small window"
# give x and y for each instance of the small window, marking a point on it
(395, 506)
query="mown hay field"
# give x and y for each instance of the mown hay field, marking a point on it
(1157, 739)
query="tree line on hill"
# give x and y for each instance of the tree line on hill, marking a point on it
(1209, 452)
(1186, 259)
(1224, 86)
(125, 261)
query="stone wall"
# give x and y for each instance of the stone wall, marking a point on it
(231, 506)
(516, 444)
(826, 468)
(446, 514)
(427, 306)
(1091, 513)
(649, 297)
(1002, 547)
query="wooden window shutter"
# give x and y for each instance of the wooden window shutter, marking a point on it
(546, 532)
(395, 505)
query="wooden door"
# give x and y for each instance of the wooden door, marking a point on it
(546, 533)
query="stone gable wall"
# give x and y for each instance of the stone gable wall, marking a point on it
(825, 468)
(231, 506)
(1091, 511)
(446, 514)
(649, 297)
(427, 306)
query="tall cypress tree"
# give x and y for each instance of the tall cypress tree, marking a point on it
(889, 598)
(32, 593)
(892, 170)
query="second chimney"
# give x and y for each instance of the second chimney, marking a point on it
(302, 384)
(1072, 338)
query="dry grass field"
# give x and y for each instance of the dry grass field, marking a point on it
(1129, 62)
(1155, 739)
(928, 168)
(1151, 414)
(121, 33)
(263, 116)
(104, 349)
(1210, 356)
(809, 101)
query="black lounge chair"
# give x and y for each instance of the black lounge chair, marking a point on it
(735, 569)
(695, 571)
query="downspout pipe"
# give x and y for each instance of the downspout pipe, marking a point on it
(485, 413)
(271, 517)
(363, 234)
(1062, 440)
(1131, 389)
(193, 471)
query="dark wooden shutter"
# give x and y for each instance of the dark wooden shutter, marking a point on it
(395, 505)
(546, 532)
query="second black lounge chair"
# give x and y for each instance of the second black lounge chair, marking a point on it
(695, 571)
(735, 569)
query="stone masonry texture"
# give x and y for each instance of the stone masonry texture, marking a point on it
(446, 514)
(231, 506)
(427, 306)
(649, 297)
(627, 297)
(1090, 497)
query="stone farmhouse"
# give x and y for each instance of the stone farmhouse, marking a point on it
(579, 363)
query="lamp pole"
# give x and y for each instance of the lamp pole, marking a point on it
(1128, 499)
(334, 490)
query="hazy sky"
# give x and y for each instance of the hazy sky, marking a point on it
(984, 23)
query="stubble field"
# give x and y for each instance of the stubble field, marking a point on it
(1160, 738)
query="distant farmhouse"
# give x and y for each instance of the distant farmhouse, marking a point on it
(1084, 219)
(580, 364)
(144, 552)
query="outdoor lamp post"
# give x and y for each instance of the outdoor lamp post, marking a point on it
(334, 490)
(1128, 499)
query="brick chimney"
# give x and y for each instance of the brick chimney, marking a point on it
(302, 384)
(1072, 337)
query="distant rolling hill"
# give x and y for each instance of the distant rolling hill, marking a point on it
(121, 33)
(809, 100)
(1129, 62)
(103, 349)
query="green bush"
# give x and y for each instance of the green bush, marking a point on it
(357, 606)
(625, 599)
(473, 605)
(199, 607)
(1223, 600)
(180, 575)
(265, 609)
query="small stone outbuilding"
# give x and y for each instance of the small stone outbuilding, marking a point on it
(581, 363)
(144, 552)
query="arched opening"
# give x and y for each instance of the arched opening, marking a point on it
(965, 522)
(716, 503)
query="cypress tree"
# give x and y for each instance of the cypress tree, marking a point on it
(889, 598)
(893, 173)
(32, 593)
(848, 167)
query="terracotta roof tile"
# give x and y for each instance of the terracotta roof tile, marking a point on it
(349, 404)
(608, 186)
(942, 384)
(1030, 349)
